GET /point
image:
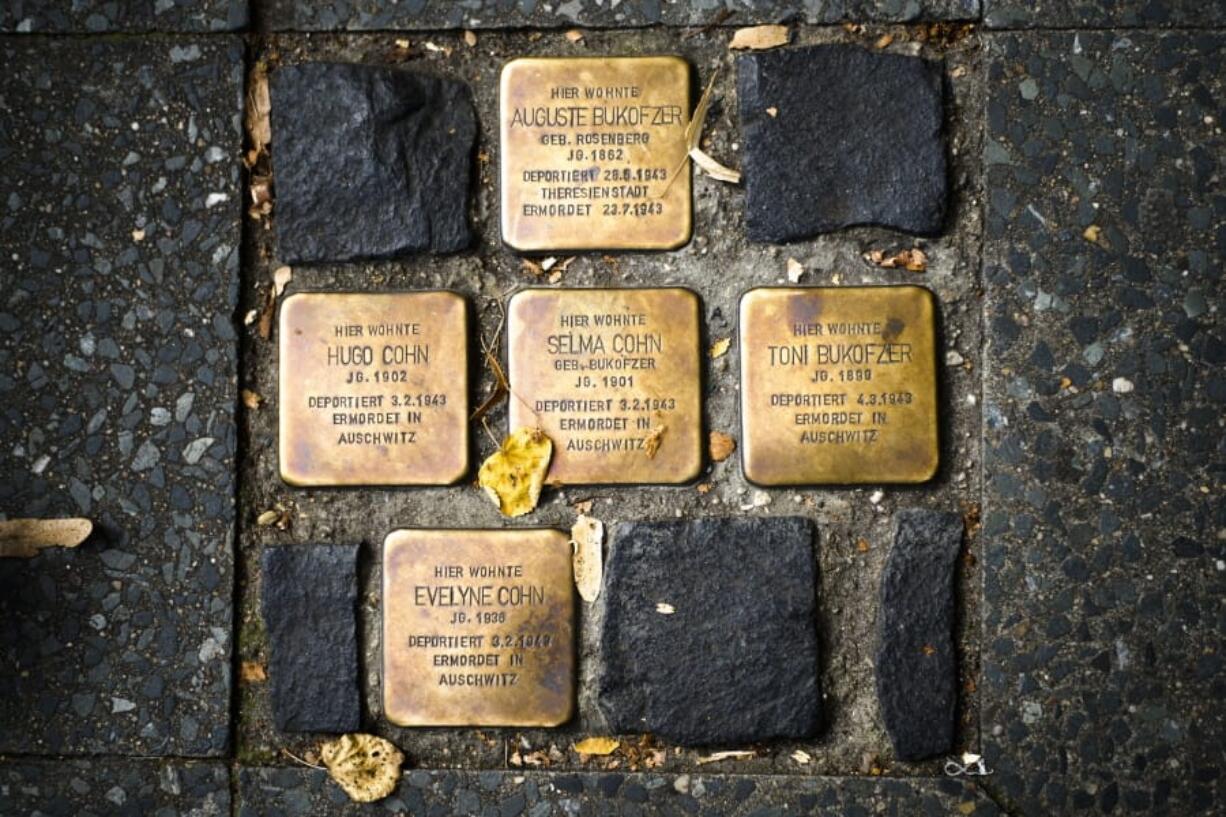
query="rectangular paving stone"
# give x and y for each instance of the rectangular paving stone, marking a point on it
(76, 17)
(614, 377)
(1103, 13)
(401, 140)
(709, 633)
(1104, 393)
(432, 14)
(168, 788)
(120, 230)
(308, 597)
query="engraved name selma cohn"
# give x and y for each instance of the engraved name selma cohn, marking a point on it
(834, 354)
(379, 356)
(587, 131)
(595, 354)
(478, 596)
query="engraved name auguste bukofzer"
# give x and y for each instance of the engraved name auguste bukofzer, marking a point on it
(838, 385)
(613, 377)
(373, 388)
(590, 147)
(478, 628)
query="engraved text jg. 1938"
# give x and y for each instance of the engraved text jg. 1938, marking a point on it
(374, 388)
(838, 385)
(478, 628)
(593, 153)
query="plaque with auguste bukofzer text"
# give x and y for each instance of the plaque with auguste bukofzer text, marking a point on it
(838, 385)
(478, 628)
(593, 153)
(373, 388)
(613, 377)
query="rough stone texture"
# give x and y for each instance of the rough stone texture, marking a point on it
(856, 138)
(98, 16)
(1103, 13)
(293, 15)
(268, 792)
(309, 595)
(737, 660)
(108, 786)
(117, 391)
(917, 673)
(1104, 393)
(369, 162)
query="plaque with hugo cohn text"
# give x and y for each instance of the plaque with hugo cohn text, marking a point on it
(838, 385)
(373, 388)
(478, 628)
(613, 377)
(593, 153)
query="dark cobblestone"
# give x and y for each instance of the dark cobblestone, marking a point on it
(119, 787)
(120, 232)
(96, 17)
(1103, 13)
(1105, 452)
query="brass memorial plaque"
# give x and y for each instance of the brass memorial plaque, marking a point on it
(374, 388)
(838, 385)
(590, 147)
(478, 628)
(613, 376)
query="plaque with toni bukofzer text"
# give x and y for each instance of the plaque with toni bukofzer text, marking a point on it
(838, 385)
(613, 377)
(373, 388)
(478, 628)
(593, 153)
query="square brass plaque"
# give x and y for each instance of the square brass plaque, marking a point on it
(374, 388)
(590, 147)
(613, 376)
(478, 628)
(838, 385)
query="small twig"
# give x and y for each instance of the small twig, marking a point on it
(293, 756)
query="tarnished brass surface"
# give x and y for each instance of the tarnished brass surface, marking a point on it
(590, 146)
(360, 408)
(463, 647)
(613, 376)
(838, 385)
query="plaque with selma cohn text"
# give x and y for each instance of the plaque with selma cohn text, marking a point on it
(838, 385)
(613, 376)
(593, 153)
(373, 388)
(478, 628)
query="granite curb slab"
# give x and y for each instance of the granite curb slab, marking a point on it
(709, 633)
(917, 672)
(836, 136)
(369, 162)
(120, 228)
(112, 786)
(309, 599)
(1105, 575)
(122, 16)
(373, 15)
(269, 792)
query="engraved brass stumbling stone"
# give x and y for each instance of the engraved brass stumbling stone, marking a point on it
(838, 385)
(590, 148)
(478, 628)
(613, 376)
(374, 388)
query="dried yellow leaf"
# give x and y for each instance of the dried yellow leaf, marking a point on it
(721, 445)
(575, 36)
(365, 766)
(513, 475)
(252, 672)
(252, 399)
(24, 538)
(267, 518)
(586, 537)
(1092, 233)
(720, 347)
(281, 276)
(759, 37)
(801, 756)
(732, 754)
(884, 41)
(597, 746)
(259, 104)
(470, 38)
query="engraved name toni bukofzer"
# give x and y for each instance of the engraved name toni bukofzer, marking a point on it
(373, 388)
(477, 628)
(838, 385)
(613, 377)
(593, 153)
